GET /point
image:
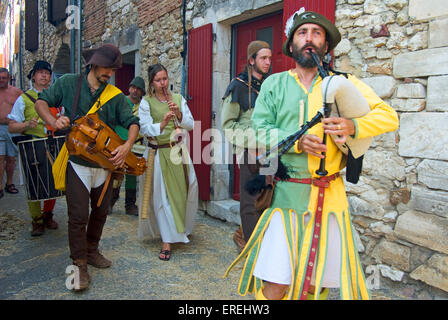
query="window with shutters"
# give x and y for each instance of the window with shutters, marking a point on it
(31, 25)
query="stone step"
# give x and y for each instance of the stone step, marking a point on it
(227, 210)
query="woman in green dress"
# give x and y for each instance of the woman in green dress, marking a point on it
(174, 199)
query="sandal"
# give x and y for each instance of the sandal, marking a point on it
(167, 254)
(11, 188)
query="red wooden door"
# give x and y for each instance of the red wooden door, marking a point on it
(124, 76)
(269, 29)
(324, 7)
(199, 95)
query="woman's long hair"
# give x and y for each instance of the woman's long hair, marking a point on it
(152, 71)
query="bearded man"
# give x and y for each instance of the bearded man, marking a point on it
(85, 180)
(304, 242)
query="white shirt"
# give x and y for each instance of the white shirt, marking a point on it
(149, 128)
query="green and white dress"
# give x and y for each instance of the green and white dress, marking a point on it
(173, 204)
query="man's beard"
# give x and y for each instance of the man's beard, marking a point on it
(100, 77)
(257, 69)
(101, 80)
(304, 61)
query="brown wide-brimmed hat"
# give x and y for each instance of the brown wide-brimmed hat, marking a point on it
(107, 56)
(333, 34)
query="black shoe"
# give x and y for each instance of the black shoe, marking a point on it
(131, 210)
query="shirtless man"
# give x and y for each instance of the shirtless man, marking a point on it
(8, 151)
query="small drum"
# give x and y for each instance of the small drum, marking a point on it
(37, 157)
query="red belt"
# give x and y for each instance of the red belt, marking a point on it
(322, 183)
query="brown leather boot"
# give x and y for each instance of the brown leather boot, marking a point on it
(48, 221)
(96, 259)
(38, 227)
(238, 238)
(129, 202)
(84, 277)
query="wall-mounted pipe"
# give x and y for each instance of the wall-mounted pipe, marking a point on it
(80, 3)
(185, 49)
(72, 45)
(21, 19)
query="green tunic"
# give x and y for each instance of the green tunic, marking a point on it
(123, 132)
(173, 174)
(282, 106)
(236, 122)
(115, 112)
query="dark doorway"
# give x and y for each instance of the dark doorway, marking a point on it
(126, 73)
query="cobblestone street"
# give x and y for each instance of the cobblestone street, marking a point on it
(34, 267)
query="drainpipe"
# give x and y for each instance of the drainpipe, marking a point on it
(184, 51)
(10, 56)
(20, 46)
(72, 45)
(80, 3)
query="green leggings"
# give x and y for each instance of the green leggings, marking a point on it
(35, 209)
(131, 182)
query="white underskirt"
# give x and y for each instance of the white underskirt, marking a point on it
(161, 220)
(90, 177)
(273, 263)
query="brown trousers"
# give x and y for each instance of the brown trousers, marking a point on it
(249, 216)
(84, 232)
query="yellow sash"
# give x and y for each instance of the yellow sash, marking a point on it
(60, 164)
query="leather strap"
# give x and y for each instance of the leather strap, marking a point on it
(241, 80)
(76, 101)
(170, 145)
(30, 97)
(103, 192)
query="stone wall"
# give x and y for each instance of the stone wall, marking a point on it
(400, 205)
(156, 35)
